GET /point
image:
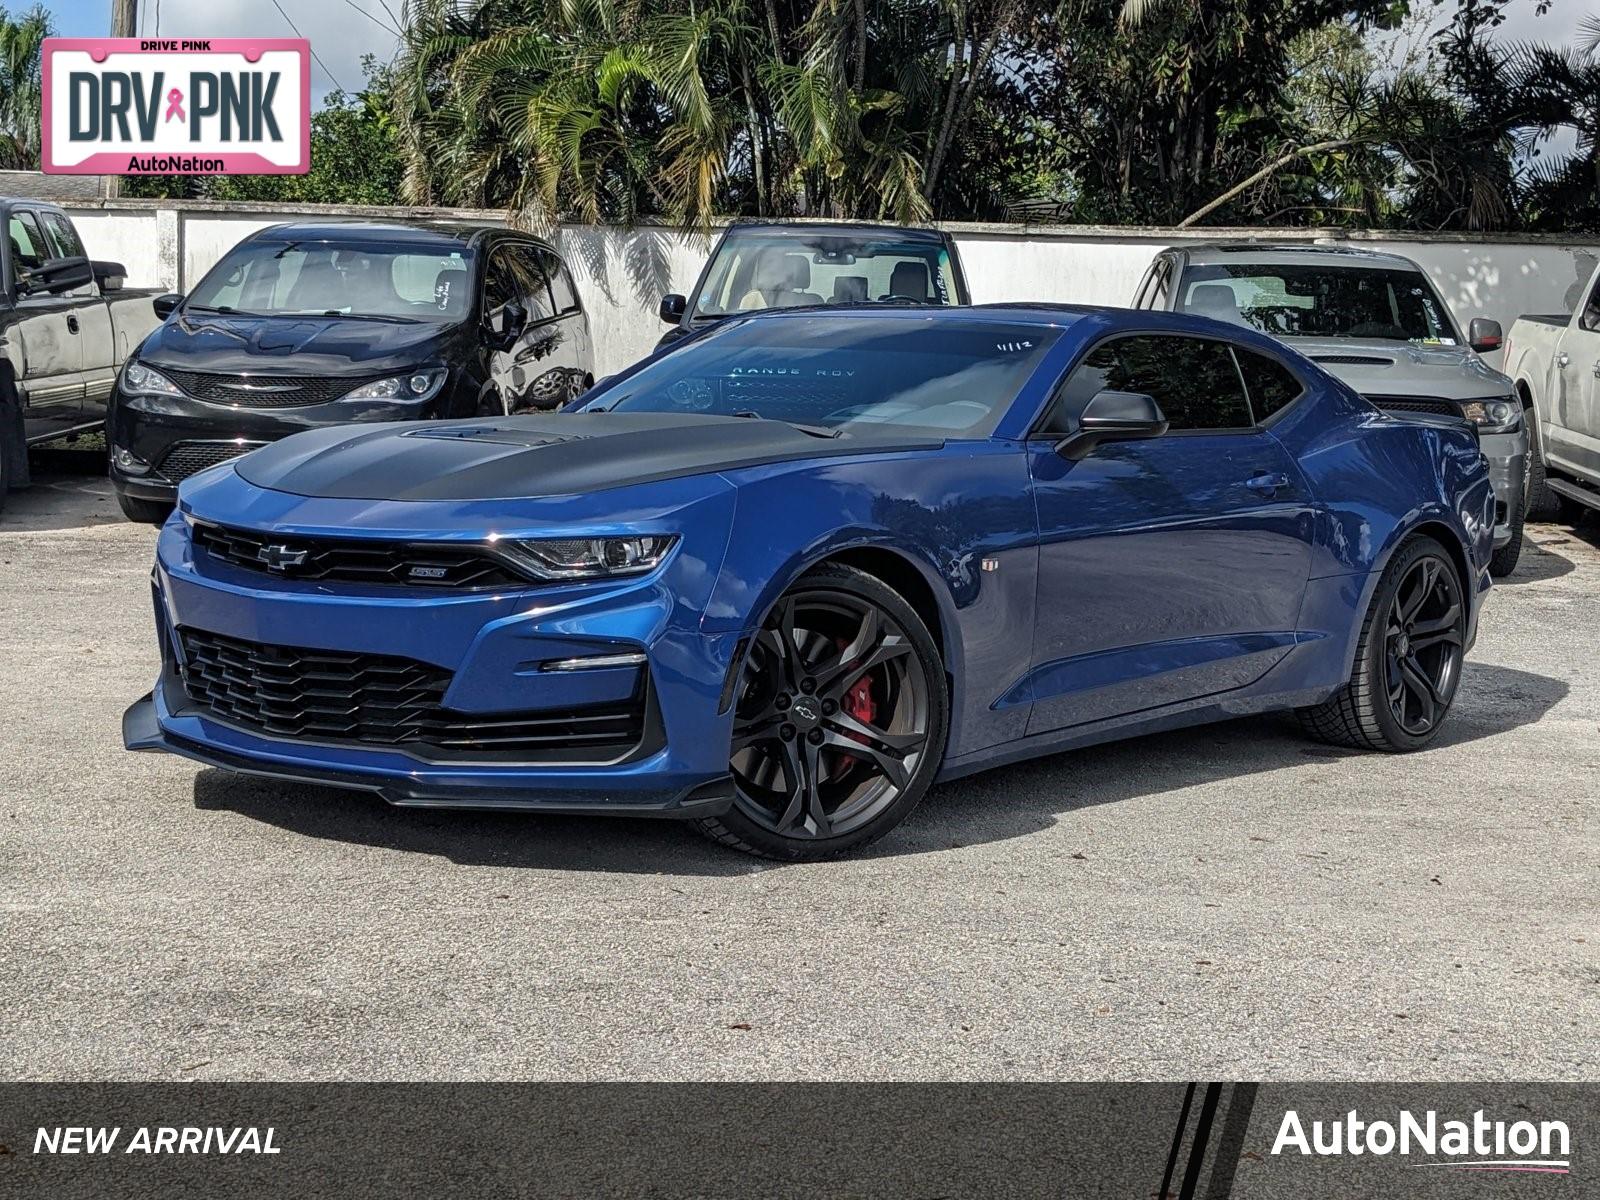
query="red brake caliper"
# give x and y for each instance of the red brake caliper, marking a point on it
(859, 704)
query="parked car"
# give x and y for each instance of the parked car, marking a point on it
(1555, 361)
(66, 324)
(757, 266)
(782, 578)
(307, 325)
(1376, 322)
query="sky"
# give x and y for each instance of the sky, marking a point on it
(341, 31)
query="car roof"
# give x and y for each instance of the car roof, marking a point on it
(1290, 252)
(800, 229)
(421, 233)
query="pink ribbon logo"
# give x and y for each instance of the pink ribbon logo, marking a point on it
(175, 105)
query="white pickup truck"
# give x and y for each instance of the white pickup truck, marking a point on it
(1555, 363)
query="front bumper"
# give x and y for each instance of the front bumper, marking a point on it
(1508, 468)
(143, 728)
(492, 650)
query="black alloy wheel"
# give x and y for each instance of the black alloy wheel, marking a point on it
(1408, 660)
(1423, 640)
(839, 720)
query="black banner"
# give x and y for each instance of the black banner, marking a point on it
(1135, 1141)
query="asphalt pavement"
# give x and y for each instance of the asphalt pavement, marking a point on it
(1230, 902)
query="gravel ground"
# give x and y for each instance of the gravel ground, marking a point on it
(1230, 902)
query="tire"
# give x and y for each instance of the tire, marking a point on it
(840, 720)
(146, 512)
(1362, 714)
(1543, 504)
(1504, 560)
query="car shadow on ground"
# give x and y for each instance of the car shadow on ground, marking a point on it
(1539, 561)
(1542, 557)
(70, 490)
(1005, 803)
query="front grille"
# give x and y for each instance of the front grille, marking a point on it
(1422, 404)
(262, 391)
(345, 560)
(183, 459)
(377, 700)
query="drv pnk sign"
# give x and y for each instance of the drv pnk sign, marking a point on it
(163, 106)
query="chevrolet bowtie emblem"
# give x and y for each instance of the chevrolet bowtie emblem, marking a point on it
(281, 558)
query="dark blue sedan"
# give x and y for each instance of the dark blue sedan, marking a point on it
(782, 579)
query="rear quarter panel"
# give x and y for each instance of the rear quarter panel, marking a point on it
(1378, 479)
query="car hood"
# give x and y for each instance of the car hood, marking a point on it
(538, 455)
(335, 346)
(1385, 368)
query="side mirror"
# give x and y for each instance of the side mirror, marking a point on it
(1484, 335)
(55, 275)
(1113, 416)
(504, 334)
(109, 275)
(166, 305)
(673, 306)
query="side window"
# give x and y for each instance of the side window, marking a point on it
(1193, 380)
(1163, 285)
(28, 247)
(1591, 309)
(1272, 386)
(1141, 298)
(561, 289)
(527, 277)
(63, 237)
(498, 286)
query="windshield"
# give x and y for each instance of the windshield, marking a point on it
(843, 372)
(787, 270)
(1320, 301)
(365, 279)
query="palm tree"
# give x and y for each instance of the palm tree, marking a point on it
(20, 97)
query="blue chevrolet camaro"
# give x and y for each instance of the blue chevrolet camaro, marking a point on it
(784, 577)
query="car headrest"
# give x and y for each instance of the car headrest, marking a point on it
(797, 268)
(1215, 300)
(909, 279)
(847, 289)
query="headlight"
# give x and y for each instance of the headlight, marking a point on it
(418, 385)
(586, 558)
(1492, 415)
(140, 380)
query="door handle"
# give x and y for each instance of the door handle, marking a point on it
(1597, 368)
(1268, 484)
(1562, 360)
(72, 323)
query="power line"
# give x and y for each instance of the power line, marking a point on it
(370, 17)
(315, 56)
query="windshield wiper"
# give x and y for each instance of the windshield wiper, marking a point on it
(816, 431)
(355, 316)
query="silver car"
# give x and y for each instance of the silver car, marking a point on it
(1376, 322)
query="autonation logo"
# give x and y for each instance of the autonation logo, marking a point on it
(1476, 1145)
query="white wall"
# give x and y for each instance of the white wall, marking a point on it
(623, 273)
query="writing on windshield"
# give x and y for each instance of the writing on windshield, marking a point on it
(839, 371)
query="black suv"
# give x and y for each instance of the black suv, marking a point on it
(773, 265)
(306, 325)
